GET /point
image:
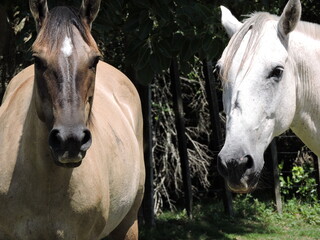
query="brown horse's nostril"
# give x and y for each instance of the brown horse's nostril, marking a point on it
(55, 139)
(86, 140)
(72, 140)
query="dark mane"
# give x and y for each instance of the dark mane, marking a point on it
(58, 24)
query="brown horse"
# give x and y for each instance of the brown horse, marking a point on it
(71, 155)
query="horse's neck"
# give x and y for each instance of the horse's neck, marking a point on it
(35, 139)
(36, 162)
(305, 50)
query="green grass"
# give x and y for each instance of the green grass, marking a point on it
(252, 220)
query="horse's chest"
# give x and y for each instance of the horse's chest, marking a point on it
(43, 226)
(45, 211)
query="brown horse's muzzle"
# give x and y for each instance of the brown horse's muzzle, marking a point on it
(69, 144)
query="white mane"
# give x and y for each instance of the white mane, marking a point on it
(254, 24)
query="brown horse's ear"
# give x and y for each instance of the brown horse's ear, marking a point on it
(39, 11)
(289, 17)
(89, 10)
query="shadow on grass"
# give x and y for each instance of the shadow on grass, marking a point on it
(209, 223)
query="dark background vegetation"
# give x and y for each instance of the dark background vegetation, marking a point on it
(141, 38)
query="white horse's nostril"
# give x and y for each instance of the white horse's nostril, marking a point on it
(222, 167)
(249, 161)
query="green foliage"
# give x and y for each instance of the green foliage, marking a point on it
(300, 183)
(295, 210)
(253, 220)
(151, 33)
(145, 35)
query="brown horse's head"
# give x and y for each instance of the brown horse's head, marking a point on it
(66, 57)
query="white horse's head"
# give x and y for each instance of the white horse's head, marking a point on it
(258, 91)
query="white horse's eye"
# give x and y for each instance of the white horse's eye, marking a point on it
(216, 71)
(276, 73)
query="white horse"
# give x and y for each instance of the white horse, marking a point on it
(270, 72)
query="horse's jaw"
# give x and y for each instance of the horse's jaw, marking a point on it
(245, 186)
(64, 161)
(68, 165)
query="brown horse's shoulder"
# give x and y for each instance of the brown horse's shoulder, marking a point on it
(113, 82)
(114, 79)
(19, 83)
(18, 94)
(17, 97)
(13, 112)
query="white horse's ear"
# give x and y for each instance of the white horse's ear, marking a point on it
(289, 17)
(229, 22)
(89, 10)
(39, 11)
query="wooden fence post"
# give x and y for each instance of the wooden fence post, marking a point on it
(182, 141)
(147, 208)
(317, 172)
(216, 136)
(275, 172)
(148, 201)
